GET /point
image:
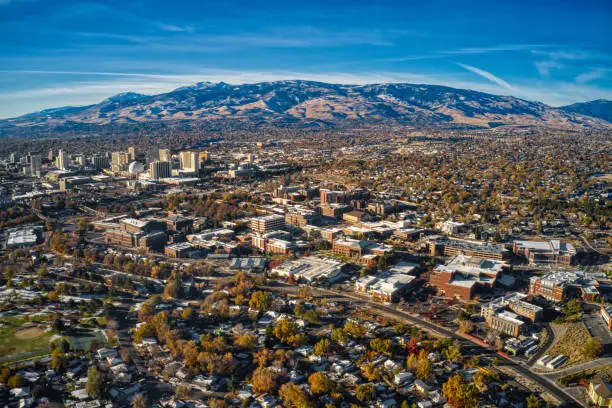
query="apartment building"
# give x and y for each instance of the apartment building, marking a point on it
(267, 223)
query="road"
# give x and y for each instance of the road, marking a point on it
(600, 362)
(522, 369)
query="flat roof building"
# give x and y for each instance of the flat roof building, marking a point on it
(553, 251)
(310, 269)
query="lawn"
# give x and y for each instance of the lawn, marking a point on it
(17, 336)
(571, 343)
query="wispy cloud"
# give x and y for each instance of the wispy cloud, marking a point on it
(486, 75)
(495, 49)
(572, 55)
(591, 75)
(544, 67)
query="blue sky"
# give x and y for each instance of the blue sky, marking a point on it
(56, 53)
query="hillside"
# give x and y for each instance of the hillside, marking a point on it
(600, 108)
(305, 102)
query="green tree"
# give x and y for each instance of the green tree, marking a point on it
(58, 360)
(593, 348)
(260, 300)
(15, 381)
(533, 402)
(321, 347)
(365, 392)
(95, 382)
(381, 345)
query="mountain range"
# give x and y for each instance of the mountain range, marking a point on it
(305, 103)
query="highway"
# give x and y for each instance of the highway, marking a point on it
(522, 369)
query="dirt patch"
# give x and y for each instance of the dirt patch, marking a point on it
(573, 337)
(29, 333)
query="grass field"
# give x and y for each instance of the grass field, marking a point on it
(571, 342)
(17, 336)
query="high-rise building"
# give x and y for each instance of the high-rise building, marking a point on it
(35, 165)
(13, 157)
(119, 161)
(62, 160)
(50, 155)
(132, 153)
(190, 161)
(164, 155)
(160, 169)
(79, 159)
(99, 162)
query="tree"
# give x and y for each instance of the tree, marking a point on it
(412, 346)
(354, 330)
(381, 345)
(174, 288)
(284, 330)
(15, 381)
(58, 360)
(533, 402)
(95, 381)
(453, 353)
(320, 383)
(293, 396)
(460, 394)
(245, 341)
(365, 392)
(338, 336)
(424, 368)
(593, 348)
(322, 347)
(466, 326)
(187, 313)
(263, 380)
(260, 300)
(58, 325)
(139, 401)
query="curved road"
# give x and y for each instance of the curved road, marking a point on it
(548, 385)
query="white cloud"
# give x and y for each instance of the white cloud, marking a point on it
(487, 75)
(544, 67)
(591, 75)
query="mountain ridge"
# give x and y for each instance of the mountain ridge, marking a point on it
(299, 102)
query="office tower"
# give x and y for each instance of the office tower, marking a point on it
(132, 153)
(50, 155)
(99, 162)
(79, 159)
(119, 161)
(62, 160)
(160, 169)
(120, 158)
(164, 155)
(190, 161)
(35, 165)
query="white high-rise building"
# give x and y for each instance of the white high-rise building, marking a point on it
(190, 161)
(164, 155)
(62, 160)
